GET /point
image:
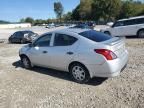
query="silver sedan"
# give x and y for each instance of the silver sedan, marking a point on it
(84, 53)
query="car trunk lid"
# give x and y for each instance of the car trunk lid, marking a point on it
(117, 45)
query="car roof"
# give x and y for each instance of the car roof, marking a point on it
(73, 30)
(131, 18)
(25, 31)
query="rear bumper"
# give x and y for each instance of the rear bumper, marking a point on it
(109, 68)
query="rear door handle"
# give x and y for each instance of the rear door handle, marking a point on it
(70, 53)
(45, 52)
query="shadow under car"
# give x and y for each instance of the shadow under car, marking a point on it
(60, 74)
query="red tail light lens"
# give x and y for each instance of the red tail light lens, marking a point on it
(109, 55)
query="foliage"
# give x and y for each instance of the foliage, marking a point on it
(85, 9)
(28, 20)
(4, 22)
(94, 10)
(142, 12)
(76, 13)
(58, 9)
(107, 9)
(68, 16)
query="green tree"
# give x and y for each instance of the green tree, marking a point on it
(22, 20)
(106, 9)
(58, 9)
(127, 10)
(85, 9)
(29, 20)
(76, 13)
(141, 13)
(68, 16)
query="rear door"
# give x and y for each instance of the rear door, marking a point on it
(19, 36)
(63, 51)
(129, 28)
(139, 24)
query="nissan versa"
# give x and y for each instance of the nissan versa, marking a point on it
(85, 53)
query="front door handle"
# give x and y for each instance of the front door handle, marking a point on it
(45, 52)
(70, 53)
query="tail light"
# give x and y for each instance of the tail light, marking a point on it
(109, 55)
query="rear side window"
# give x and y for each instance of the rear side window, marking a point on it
(95, 36)
(140, 21)
(64, 40)
(130, 22)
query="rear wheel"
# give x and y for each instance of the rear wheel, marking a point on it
(141, 33)
(22, 41)
(79, 73)
(26, 62)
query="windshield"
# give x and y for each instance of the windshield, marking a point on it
(95, 36)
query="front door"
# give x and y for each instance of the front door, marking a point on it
(40, 52)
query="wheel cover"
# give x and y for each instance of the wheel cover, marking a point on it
(78, 73)
(22, 41)
(25, 62)
(141, 34)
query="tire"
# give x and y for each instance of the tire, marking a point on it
(26, 62)
(79, 73)
(107, 32)
(22, 41)
(141, 33)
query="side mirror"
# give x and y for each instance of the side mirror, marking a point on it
(30, 45)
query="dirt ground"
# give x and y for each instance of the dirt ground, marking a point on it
(46, 88)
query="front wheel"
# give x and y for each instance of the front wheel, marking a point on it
(141, 34)
(26, 62)
(79, 73)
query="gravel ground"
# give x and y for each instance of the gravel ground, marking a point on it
(46, 88)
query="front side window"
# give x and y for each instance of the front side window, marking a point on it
(19, 35)
(119, 23)
(43, 41)
(64, 40)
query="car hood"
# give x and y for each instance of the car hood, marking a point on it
(105, 28)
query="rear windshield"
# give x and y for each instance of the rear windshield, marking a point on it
(29, 32)
(95, 36)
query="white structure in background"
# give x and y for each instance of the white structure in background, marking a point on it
(18, 25)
